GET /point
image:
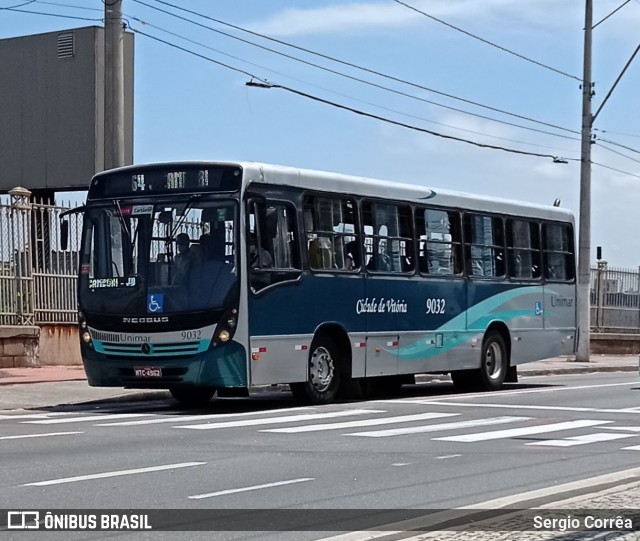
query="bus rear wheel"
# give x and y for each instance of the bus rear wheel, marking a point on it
(192, 397)
(495, 362)
(323, 379)
(494, 366)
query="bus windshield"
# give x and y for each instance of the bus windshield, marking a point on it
(158, 258)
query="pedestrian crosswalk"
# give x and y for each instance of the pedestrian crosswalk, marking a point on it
(442, 423)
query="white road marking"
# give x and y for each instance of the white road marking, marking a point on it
(247, 489)
(521, 406)
(445, 457)
(23, 436)
(525, 431)
(284, 419)
(438, 427)
(185, 418)
(113, 474)
(581, 440)
(362, 422)
(86, 418)
(458, 396)
(36, 415)
(623, 428)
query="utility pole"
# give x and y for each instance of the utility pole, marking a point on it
(584, 239)
(113, 84)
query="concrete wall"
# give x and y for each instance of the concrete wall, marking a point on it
(59, 345)
(39, 346)
(615, 344)
(19, 346)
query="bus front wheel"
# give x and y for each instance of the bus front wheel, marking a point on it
(192, 396)
(323, 378)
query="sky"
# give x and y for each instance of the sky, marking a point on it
(502, 73)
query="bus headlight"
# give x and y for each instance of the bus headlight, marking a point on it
(86, 337)
(226, 327)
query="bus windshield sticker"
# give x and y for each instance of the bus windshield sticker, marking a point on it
(139, 210)
(155, 303)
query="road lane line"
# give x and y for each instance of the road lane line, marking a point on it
(497, 394)
(35, 415)
(184, 418)
(438, 427)
(524, 406)
(284, 419)
(623, 428)
(247, 489)
(525, 431)
(581, 440)
(86, 418)
(361, 422)
(119, 473)
(22, 436)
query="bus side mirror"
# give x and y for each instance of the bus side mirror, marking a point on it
(165, 217)
(64, 235)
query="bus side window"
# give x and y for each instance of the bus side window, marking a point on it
(330, 228)
(272, 248)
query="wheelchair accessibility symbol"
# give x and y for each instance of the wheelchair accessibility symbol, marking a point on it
(155, 303)
(539, 310)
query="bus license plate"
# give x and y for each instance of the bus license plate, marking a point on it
(147, 372)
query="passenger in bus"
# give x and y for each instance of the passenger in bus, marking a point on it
(351, 256)
(182, 260)
(259, 258)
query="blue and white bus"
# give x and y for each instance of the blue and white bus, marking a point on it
(216, 277)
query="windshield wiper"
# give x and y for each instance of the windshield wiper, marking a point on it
(192, 201)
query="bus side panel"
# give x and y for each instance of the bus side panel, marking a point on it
(559, 319)
(284, 318)
(518, 306)
(432, 340)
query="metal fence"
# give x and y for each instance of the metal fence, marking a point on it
(37, 278)
(615, 299)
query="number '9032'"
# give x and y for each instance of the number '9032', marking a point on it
(192, 335)
(435, 306)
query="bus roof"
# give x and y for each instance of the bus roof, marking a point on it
(265, 173)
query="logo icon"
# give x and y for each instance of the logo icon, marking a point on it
(539, 309)
(155, 303)
(23, 520)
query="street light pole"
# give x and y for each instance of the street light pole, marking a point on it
(113, 84)
(584, 238)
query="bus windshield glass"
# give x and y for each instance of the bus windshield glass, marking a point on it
(158, 258)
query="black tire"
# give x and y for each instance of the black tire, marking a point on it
(494, 366)
(192, 397)
(494, 363)
(323, 380)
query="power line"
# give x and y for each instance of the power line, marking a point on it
(266, 84)
(610, 14)
(619, 145)
(335, 72)
(174, 34)
(474, 36)
(52, 14)
(618, 153)
(616, 170)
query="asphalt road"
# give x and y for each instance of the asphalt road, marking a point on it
(544, 439)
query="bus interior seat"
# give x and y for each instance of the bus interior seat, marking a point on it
(321, 254)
